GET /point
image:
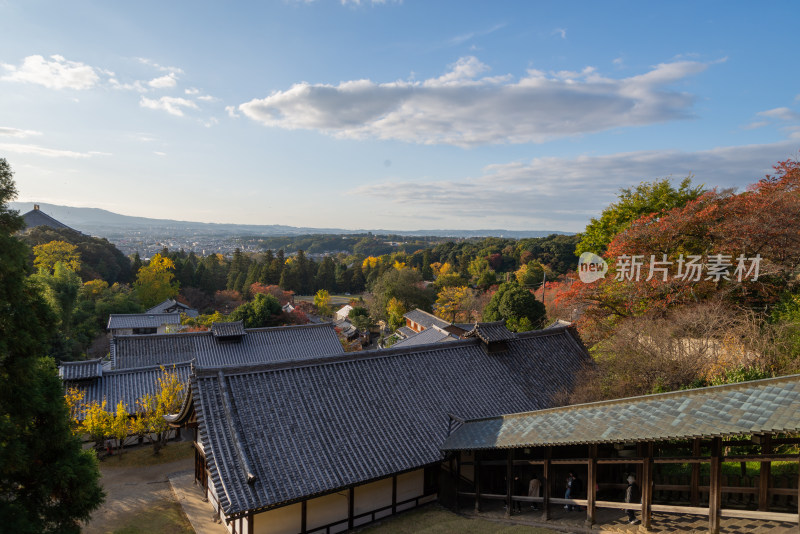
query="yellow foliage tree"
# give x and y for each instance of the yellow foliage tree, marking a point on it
(399, 265)
(155, 281)
(451, 301)
(370, 262)
(119, 425)
(151, 409)
(97, 422)
(441, 268)
(47, 255)
(395, 310)
(74, 398)
(322, 300)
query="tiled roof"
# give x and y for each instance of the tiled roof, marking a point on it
(429, 335)
(172, 305)
(760, 406)
(83, 370)
(234, 329)
(257, 346)
(405, 332)
(306, 428)
(491, 332)
(37, 217)
(559, 322)
(127, 385)
(425, 319)
(142, 320)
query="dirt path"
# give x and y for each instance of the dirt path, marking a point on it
(131, 490)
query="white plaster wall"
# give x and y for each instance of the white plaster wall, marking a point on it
(327, 509)
(281, 520)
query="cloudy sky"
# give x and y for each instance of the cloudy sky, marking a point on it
(390, 114)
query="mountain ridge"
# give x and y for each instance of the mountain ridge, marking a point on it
(107, 224)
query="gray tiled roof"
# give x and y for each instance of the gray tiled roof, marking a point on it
(425, 319)
(760, 406)
(172, 305)
(491, 332)
(234, 329)
(127, 385)
(142, 320)
(429, 335)
(312, 427)
(258, 345)
(37, 217)
(405, 332)
(83, 370)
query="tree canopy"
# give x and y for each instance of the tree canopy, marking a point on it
(49, 483)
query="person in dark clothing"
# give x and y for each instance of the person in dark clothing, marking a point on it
(577, 489)
(519, 489)
(632, 496)
(568, 493)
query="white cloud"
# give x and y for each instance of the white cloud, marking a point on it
(54, 72)
(525, 193)
(465, 108)
(47, 152)
(232, 112)
(156, 66)
(170, 104)
(192, 91)
(560, 31)
(160, 153)
(207, 98)
(6, 131)
(459, 39)
(164, 82)
(137, 85)
(784, 114)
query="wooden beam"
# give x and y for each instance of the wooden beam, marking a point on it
(591, 486)
(715, 493)
(647, 485)
(764, 475)
(509, 481)
(695, 482)
(477, 478)
(546, 482)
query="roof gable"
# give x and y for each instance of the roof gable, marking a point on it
(142, 320)
(425, 319)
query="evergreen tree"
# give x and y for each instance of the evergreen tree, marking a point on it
(48, 483)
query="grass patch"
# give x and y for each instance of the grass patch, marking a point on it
(434, 519)
(166, 517)
(143, 456)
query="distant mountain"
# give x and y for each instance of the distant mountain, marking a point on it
(107, 224)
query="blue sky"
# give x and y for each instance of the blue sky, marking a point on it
(396, 115)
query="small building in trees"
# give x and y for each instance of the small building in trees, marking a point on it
(173, 306)
(337, 442)
(125, 324)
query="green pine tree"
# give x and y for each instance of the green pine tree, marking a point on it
(48, 482)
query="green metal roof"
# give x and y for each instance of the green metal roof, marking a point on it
(760, 406)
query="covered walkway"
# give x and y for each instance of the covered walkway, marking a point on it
(723, 457)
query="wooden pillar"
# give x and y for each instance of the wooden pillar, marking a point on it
(304, 517)
(548, 454)
(591, 486)
(250, 524)
(458, 480)
(350, 506)
(764, 475)
(477, 477)
(394, 495)
(509, 481)
(647, 485)
(695, 481)
(714, 494)
(798, 492)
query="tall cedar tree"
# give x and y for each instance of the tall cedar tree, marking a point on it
(47, 481)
